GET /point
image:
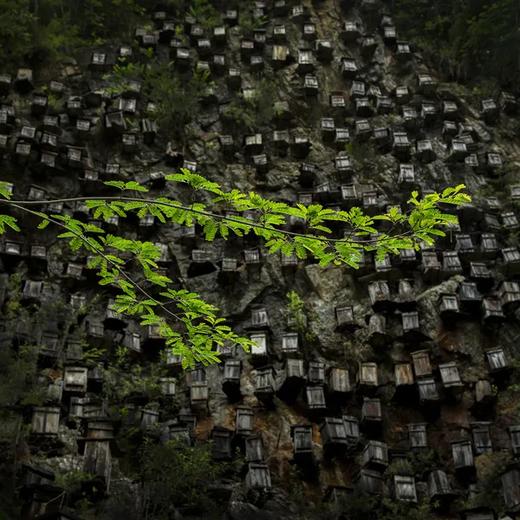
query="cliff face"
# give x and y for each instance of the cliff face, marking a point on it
(393, 381)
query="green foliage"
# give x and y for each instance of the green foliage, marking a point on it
(92, 354)
(122, 74)
(297, 316)
(54, 102)
(10, 423)
(263, 101)
(71, 479)
(295, 307)
(367, 159)
(357, 505)
(468, 38)
(174, 475)
(17, 378)
(5, 189)
(490, 467)
(7, 221)
(354, 505)
(512, 392)
(191, 327)
(205, 14)
(123, 378)
(396, 509)
(176, 99)
(56, 35)
(126, 186)
(424, 461)
(399, 467)
(248, 23)
(15, 31)
(104, 20)
(13, 306)
(359, 151)
(255, 111)
(239, 114)
(49, 30)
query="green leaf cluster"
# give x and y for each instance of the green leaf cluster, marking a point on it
(205, 14)
(176, 99)
(468, 39)
(191, 327)
(255, 111)
(47, 31)
(174, 474)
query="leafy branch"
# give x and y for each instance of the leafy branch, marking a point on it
(195, 330)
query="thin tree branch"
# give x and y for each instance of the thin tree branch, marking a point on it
(128, 278)
(200, 212)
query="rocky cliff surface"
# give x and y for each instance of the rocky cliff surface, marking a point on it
(373, 393)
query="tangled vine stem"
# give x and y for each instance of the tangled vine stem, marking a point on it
(197, 331)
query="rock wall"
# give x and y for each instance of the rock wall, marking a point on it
(391, 381)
